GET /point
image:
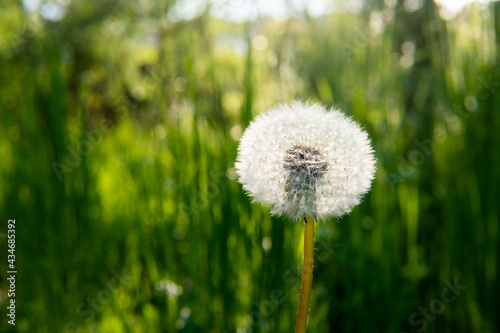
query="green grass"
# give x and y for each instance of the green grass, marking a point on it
(148, 229)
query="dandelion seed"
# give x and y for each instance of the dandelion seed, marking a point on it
(324, 157)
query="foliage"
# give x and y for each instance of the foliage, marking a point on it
(118, 141)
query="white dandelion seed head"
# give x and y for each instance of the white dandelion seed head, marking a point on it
(303, 160)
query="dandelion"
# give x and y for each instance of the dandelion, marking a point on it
(302, 160)
(305, 161)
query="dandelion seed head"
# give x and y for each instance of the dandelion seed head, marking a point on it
(301, 159)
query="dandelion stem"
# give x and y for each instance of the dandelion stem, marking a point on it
(307, 270)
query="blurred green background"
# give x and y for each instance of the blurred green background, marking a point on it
(120, 122)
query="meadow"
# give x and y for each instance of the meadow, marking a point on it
(120, 122)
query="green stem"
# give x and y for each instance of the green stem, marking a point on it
(307, 270)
